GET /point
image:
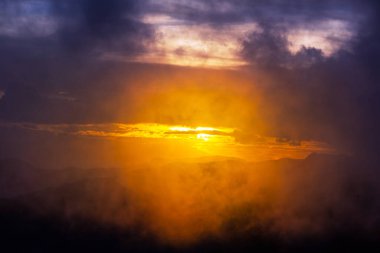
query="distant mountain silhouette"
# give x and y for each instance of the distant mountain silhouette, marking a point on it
(18, 177)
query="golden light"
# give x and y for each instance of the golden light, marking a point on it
(179, 128)
(148, 141)
(204, 137)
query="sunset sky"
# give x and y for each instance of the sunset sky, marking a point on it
(145, 85)
(281, 79)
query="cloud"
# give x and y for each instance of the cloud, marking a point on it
(270, 48)
(110, 25)
(200, 45)
(300, 93)
(81, 26)
(220, 12)
(311, 95)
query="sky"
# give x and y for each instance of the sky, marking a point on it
(298, 76)
(260, 113)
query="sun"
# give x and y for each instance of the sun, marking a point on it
(204, 137)
(201, 133)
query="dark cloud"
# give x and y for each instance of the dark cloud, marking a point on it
(313, 96)
(36, 69)
(111, 25)
(219, 12)
(270, 48)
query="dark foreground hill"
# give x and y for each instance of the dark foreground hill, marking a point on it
(320, 204)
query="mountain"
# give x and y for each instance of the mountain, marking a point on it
(323, 203)
(18, 177)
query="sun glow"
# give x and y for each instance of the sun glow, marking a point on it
(204, 133)
(204, 137)
(188, 129)
(184, 141)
